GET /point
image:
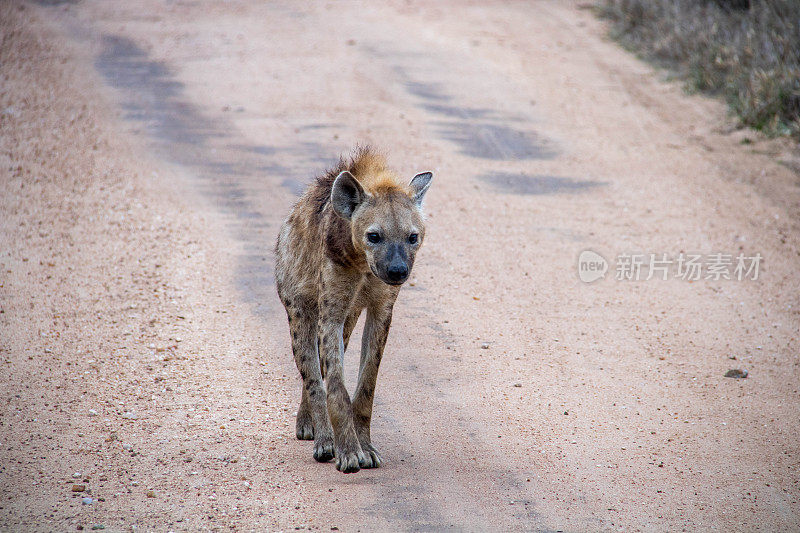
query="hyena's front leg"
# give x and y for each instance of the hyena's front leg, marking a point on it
(333, 313)
(349, 456)
(312, 416)
(376, 330)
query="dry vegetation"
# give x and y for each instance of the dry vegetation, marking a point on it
(747, 51)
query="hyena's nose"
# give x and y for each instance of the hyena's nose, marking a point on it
(397, 273)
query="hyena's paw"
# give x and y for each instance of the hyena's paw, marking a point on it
(349, 462)
(350, 459)
(323, 450)
(304, 428)
(372, 459)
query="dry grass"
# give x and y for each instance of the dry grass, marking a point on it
(747, 51)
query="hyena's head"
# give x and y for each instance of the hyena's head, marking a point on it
(386, 222)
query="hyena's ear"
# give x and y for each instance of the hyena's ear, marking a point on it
(346, 194)
(420, 185)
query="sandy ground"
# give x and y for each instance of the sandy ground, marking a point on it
(148, 153)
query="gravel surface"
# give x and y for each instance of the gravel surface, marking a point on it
(148, 153)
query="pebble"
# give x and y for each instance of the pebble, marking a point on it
(78, 488)
(92, 412)
(76, 475)
(87, 501)
(518, 384)
(151, 494)
(736, 373)
(127, 447)
(129, 415)
(485, 345)
(98, 526)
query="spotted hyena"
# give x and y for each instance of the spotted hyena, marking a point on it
(348, 245)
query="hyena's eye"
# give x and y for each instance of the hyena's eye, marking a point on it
(412, 239)
(374, 238)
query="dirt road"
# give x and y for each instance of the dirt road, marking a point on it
(149, 152)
